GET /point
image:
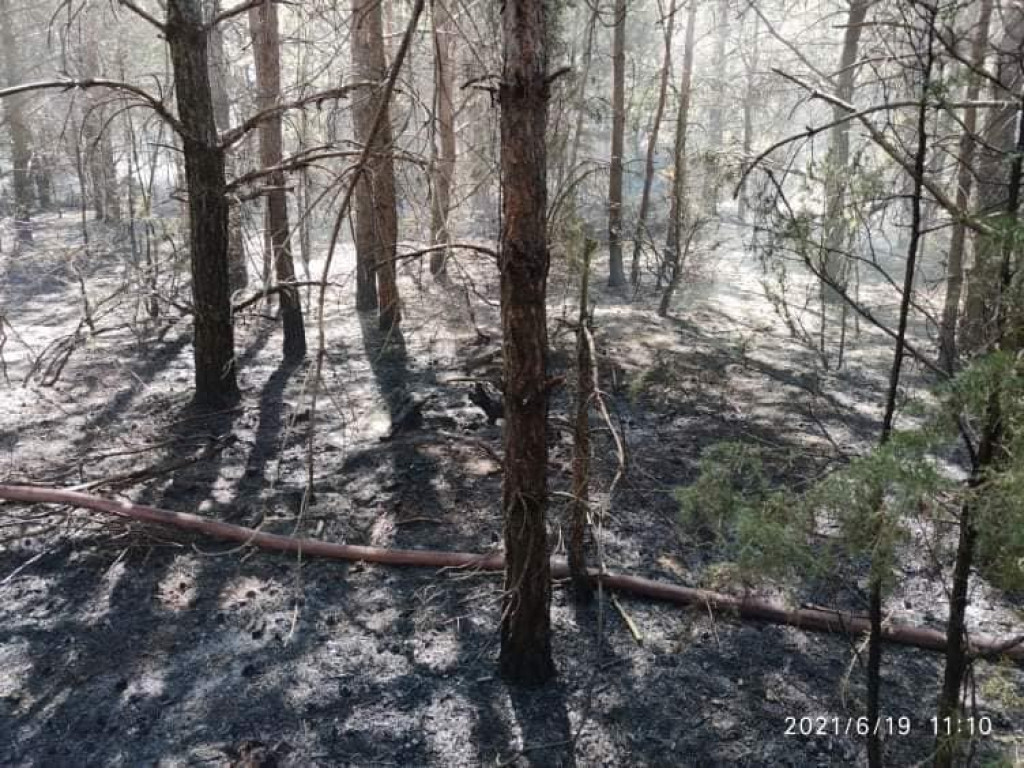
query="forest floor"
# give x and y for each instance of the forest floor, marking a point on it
(130, 645)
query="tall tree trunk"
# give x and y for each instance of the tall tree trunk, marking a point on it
(750, 100)
(652, 148)
(616, 274)
(523, 95)
(580, 99)
(964, 183)
(266, 45)
(874, 670)
(216, 381)
(833, 263)
(679, 208)
(444, 143)
(716, 128)
(237, 272)
(993, 184)
(376, 210)
(17, 123)
(99, 148)
(990, 449)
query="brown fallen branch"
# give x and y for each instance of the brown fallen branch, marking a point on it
(810, 619)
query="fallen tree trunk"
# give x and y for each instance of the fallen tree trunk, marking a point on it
(811, 619)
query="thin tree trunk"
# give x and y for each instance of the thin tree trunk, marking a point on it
(652, 148)
(833, 261)
(581, 97)
(874, 670)
(616, 274)
(750, 100)
(523, 95)
(679, 208)
(444, 144)
(716, 130)
(216, 382)
(21, 134)
(376, 211)
(580, 505)
(266, 45)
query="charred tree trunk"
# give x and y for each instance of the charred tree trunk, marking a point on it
(652, 148)
(444, 143)
(376, 211)
(524, 261)
(266, 45)
(964, 183)
(678, 210)
(216, 382)
(616, 274)
(21, 135)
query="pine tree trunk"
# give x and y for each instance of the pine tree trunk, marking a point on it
(750, 100)
(523, 95)
(21, 134)
(376, 211)
(964, 183)
(266, 45)
(616, 273)
(444, 144)
(652, 148)
(679, 208)
(716, 122)
(833, 262)
(216, 382)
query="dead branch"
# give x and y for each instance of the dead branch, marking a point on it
(809, 619)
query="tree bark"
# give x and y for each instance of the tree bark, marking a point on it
(216, 382)
(376, 211)
(523, 96)
(444, 143)
(21, 134)
(679, 208)
(266, 44)
(652, 148)
(616, 273)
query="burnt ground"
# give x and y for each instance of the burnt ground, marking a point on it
(130, 645)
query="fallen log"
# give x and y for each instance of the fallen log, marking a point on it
(811, 619)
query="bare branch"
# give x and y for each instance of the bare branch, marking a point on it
(229, 138)
(892, 150)
(142, 14)
(241, 8)
(96, 82)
